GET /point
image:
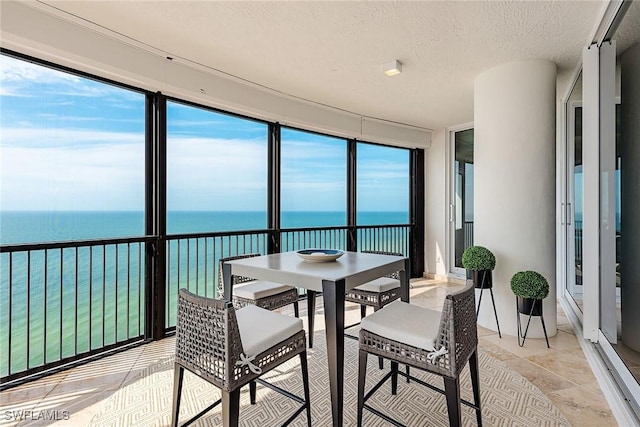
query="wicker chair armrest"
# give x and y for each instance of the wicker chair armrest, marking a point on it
(207, 337)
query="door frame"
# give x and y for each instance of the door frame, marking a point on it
(452, 270)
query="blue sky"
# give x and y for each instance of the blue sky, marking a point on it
(70, 143)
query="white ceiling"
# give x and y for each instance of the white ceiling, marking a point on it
(331, 52)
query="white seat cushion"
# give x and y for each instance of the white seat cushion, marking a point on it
(406, 323)
(259, 289)
(382, 284)
(261, 329)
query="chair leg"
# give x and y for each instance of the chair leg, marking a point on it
(362, 375)
(452, 391)
(252, 392)
(305, 384)
(311, 313)
(363, 311)
(475, 384)
(178, 375)
(230, 408)
(296, 310)
(380, 359)
(394, 378)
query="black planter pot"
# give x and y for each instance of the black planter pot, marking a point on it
(482, 279)
(529, 306)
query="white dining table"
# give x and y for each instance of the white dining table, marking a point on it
(330, 278)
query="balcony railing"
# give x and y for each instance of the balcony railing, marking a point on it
(66, 301)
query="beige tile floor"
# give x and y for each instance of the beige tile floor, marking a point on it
(561, 372)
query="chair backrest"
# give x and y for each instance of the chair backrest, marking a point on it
(458, 330)
(237, 279)
(208, 339)
(395, 274)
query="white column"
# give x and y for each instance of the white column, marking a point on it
(514, 193)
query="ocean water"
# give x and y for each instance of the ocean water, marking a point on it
(35, 227)
(58, 303)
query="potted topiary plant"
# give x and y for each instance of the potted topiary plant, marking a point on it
(480, 261)
(530, 288)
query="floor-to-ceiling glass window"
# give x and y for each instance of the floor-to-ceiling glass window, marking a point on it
(382, 197)
(72, 154)
(72, 151)
(73, 168)
(382, 188)
(216, 181)
(216, 171)
(461, 204)
(313, 179)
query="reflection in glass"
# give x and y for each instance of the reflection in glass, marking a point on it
(463, 215)
(577, 196)
(574, 203)
(628, 207)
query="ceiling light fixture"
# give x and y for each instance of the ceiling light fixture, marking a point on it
(392, 68)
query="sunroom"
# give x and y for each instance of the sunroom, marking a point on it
(141, 142)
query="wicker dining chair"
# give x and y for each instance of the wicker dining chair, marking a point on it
(230, 349)
(248, 291)
(439, 343)
(378, 292)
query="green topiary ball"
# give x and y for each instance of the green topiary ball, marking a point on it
(478, 258)
(529, 284)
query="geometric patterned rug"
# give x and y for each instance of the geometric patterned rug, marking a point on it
(507, 398)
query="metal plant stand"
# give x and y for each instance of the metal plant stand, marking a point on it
(532, 312)
(493, 302)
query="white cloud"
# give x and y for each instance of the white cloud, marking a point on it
(16, 70)
(20, 78)
(64, 138)
(211, 173)
(97, 177)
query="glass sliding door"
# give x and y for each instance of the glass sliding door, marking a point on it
(601, 268)
(620, 210)
(461, 199)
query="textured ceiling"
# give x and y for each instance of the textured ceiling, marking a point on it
(628, 33)
(332, 52)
